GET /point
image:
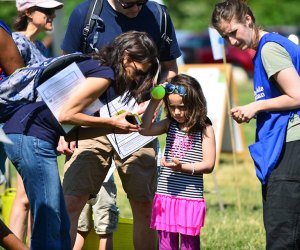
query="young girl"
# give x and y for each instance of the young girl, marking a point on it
(179, 206)
(276, 108)
(127, 65)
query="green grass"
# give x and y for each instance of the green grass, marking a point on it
(239, 225)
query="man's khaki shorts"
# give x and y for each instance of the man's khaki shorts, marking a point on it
(90, 162)
(101, 211)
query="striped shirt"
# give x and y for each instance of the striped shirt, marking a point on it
(188, 149)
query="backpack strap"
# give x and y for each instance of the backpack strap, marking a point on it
(57, 64)
(164, 28)
(92, 18)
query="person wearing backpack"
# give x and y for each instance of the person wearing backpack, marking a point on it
(113, 18)
(127, 65)
(33, 18)
(10, 60)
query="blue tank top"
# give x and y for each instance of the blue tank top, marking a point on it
(270, 126)
(35, 119)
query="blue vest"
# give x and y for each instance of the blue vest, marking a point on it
(270, 126)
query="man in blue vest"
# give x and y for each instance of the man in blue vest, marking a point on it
(92, 158)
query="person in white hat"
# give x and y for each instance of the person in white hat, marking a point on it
(34, 17)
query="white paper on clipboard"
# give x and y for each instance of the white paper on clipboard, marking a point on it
(57, 89)
(124, 144)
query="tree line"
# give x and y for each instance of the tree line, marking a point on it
(194, 15)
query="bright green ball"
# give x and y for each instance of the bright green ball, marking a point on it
(158, 92)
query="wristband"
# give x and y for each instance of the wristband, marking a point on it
(193, 171)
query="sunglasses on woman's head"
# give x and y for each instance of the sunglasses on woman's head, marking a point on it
(175, 89)
(131, 4)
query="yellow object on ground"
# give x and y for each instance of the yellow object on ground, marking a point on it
(122, 238)
(7, 200)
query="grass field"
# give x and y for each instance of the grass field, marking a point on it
(232, 193)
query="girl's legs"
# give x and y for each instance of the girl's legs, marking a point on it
(189, 242)
(36, 162)
(168, 241)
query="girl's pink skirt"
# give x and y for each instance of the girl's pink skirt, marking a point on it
(178, 215)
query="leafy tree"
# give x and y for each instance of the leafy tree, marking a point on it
(193, 15)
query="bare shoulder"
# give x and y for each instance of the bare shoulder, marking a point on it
(209, 132)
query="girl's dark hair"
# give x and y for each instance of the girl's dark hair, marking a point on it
(194, 102)
(138, 47)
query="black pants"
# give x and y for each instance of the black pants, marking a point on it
(281, 201)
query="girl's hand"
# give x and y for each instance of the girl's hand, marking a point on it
(244, 113)
(122, 126)
(175, 164)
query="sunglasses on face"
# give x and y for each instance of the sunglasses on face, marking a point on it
(139, 72)
(130, 5)
(175, 89)
(46, 11)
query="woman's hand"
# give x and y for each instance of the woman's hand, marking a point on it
(244, 113)
(122, 126)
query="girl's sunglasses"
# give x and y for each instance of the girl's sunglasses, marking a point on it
(130, 5)
(175, 89)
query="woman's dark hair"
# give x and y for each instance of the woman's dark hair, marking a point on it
(138, 47)
(234, 9)
(194, 102)
(21, 21)
(230, 9)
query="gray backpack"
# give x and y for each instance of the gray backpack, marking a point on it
(20, 88)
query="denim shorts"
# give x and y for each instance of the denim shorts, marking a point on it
(281, 201)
